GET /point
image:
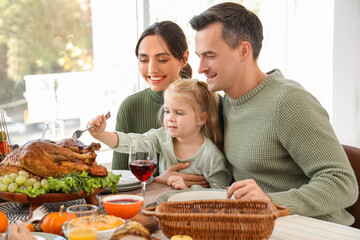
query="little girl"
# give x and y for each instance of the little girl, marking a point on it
(191, 133)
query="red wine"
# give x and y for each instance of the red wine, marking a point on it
(122, 201)
(143, 169)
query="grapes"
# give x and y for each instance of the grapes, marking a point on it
(44, 182)
(13, 187)
(37, 185)
(7, 180)
(30, 182)
(23, 173)
(4, 187)
(20, 180)
(13, 176)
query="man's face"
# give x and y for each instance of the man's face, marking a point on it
(218, 62)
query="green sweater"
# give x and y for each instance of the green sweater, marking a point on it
(137, 114)
(279, 135)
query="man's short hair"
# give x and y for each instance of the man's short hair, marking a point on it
(239, 24)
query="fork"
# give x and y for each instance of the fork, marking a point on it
(77, 134)
(37, 214)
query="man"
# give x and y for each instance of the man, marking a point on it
(278, 138)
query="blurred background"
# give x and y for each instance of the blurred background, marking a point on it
(75, 59)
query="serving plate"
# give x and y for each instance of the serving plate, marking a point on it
(50, 198)
(193, 194)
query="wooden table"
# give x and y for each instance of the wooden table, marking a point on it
(293, 227)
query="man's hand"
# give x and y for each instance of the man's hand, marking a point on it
(189, 179)
(177, 182)
(247, 190)
(18, 231)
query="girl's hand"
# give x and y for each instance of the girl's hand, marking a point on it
(189, 179)
(177, 182)
(100, 125)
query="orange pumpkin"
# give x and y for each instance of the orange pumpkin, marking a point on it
(30, 227)
(3, 222)
(53, 222)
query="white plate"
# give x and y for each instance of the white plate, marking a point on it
(193, 194)
(47, 236)
(127, 181)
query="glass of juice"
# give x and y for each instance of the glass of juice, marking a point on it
(81, 222)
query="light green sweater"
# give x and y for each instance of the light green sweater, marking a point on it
(208, 160)
(279, 135)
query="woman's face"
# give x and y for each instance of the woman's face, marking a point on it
(156, 64)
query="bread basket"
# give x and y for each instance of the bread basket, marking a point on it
(218, 219)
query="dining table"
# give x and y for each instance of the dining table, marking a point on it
(291, 227)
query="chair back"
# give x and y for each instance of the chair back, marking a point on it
(353, 155)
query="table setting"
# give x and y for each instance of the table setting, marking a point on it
(61, 180)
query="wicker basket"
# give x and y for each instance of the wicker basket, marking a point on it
(218, 219)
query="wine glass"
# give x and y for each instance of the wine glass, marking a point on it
(81, 222)
(142, 161)
(53, 130)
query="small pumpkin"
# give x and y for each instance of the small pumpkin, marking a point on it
(3, 222)
(53, 222)
(181, 237)
(30, 227)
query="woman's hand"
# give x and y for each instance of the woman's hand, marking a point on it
(177, 182)
(247, 190)
(18, 231)
(189, 179)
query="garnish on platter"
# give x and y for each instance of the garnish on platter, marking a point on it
(42, 166)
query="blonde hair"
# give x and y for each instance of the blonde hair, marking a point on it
(196, 93)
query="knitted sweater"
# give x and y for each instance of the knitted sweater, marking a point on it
(279, 135)
(137, 114)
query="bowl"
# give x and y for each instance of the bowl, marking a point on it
(124, 206)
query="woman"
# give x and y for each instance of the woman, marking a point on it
(163, 55)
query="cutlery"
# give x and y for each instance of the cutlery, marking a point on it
(77, 134)
(38, 214)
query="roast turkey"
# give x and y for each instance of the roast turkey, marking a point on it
(46, 158)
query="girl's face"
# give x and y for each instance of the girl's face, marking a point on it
(180, 118)
(156, 64)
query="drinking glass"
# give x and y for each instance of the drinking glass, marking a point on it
(142, 161)
(81, 222)
(53, 130)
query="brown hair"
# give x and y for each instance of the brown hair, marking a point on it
(175, 40)
(238, 23)
(196, 93)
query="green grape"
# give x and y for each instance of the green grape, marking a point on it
(20, 180)
(13, 176)
(37, 185)
(1, 179)
(12, 187)
(22, 187)
(4, 187)
(30, 182)
(44, 182)
(7, 180)
(23, 173)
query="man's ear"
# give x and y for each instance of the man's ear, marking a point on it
(202, 118)
(245, 50)
(186, 57)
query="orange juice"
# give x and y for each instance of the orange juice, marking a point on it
(82, 234)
